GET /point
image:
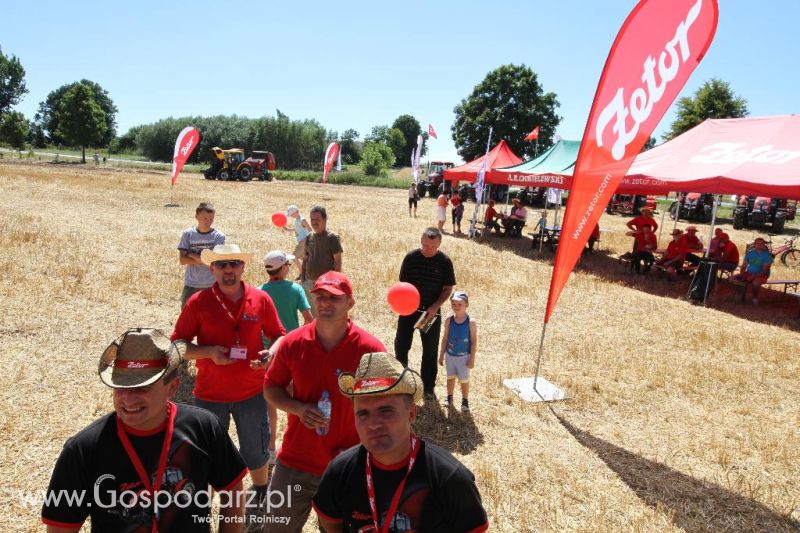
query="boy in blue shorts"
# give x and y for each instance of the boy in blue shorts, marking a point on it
(459, 344)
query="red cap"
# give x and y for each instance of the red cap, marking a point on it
(334, 283)
(723, 237)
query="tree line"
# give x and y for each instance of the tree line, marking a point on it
(510, 99)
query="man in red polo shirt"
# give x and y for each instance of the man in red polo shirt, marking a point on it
(645, 243)
(312, 357)
(228, 320)
(645, 217)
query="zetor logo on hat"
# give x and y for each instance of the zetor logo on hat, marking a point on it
(380, 373)
(139, 357)
(334, 283)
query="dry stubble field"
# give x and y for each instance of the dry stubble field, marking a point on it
(679, 417)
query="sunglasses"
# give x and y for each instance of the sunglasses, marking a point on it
(223, 264)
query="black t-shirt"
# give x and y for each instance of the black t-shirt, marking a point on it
(440, 494)
(428, 274)
(94, 466)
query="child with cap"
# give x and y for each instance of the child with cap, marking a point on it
(459, 344)
(289, 299)
(301, 229)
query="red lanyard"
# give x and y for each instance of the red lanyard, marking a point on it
(162, 460)
(397, 494)
(234, 319)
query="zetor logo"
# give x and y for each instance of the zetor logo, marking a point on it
(642, 99)
(187, 148)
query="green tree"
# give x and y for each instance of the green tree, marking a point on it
(411, 129)
(376, 159)
(391, 137)
(350, 146)
(14, 129)
(714, 99)
(12, 82)
(511, 100)
(47, 116)
(81, 120)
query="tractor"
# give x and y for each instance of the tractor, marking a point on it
(262, 163)
(435, 176)
(754, 211)
(692, 206)
(630, 205)
(232, 165)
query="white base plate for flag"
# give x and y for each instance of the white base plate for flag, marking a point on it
(544, 391)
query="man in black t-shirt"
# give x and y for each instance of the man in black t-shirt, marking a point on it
(151, 463)
(394, 477)
(431, 272)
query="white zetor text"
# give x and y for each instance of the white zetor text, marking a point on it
(738, 153)
(642, 99)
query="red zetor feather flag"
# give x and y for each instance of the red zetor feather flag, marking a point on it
(184, 146)
(657, 48)
(432, 132)
(330, 158)
(533, 135)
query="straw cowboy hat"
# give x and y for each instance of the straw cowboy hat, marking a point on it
(677, 231)
(380, 373)
(139, 357)
(224, 252)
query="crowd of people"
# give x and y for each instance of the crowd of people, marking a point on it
(685, 251)
(348, 451)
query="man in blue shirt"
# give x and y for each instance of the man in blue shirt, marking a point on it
(756, 265)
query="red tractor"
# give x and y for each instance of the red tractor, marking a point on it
(435, 176)
(693, 206)
(624, 204)
(262, 163)
(756, 211)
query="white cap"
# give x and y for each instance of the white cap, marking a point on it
(291, 210)
(460, 295)
(276, 259)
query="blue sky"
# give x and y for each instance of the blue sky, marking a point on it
(361, 64)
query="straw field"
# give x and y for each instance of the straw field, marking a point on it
(678, 417)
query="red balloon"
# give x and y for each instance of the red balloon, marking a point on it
(403, 298)
(279, 219)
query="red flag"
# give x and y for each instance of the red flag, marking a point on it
(330, 158)
(533, 135)
(184, 145)
(657, 48)
(432, 132)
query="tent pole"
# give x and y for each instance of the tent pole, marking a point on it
(543, 220)
(678, 214)
(663, 217)
(717, 200)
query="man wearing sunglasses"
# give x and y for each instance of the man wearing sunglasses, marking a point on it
(226, 323)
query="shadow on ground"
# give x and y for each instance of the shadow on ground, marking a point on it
(449, 428)
(695, 505)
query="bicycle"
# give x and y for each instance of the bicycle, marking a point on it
(789, 255)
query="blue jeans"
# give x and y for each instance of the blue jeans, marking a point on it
(252, 426)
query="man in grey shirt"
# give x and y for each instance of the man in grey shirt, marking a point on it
(323, 252)
(193, 241)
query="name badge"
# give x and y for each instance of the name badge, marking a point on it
(238, 352)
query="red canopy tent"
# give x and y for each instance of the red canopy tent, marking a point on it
(755, 156)
(499, 156)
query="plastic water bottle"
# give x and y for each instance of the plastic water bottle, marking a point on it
(324, 405)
